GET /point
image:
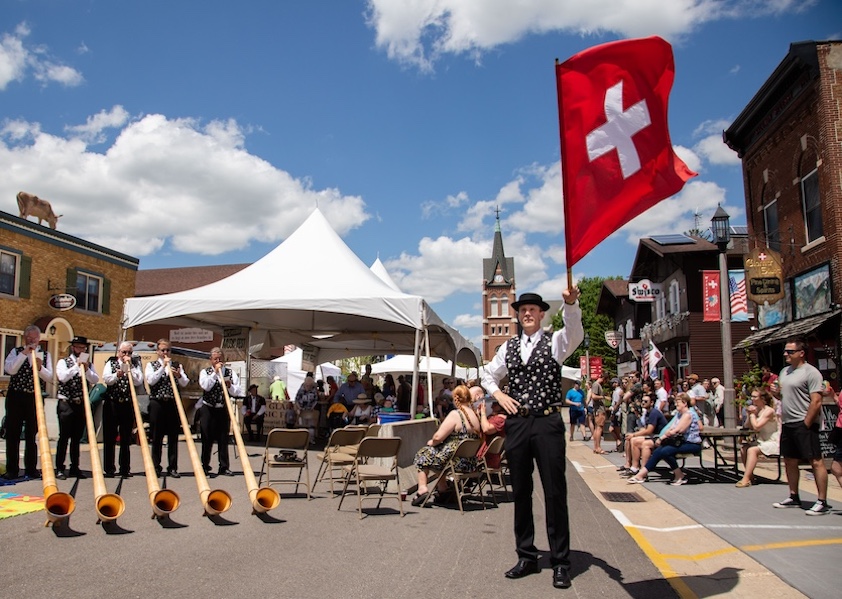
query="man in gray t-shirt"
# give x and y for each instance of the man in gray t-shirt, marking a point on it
(801, 390)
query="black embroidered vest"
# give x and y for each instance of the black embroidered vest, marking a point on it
(536, 384)
(120, 391)
(72, 389)
(22, 380)
(215, 396)
(162, 389)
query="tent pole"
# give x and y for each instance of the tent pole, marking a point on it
(429, 373)
(413, 404)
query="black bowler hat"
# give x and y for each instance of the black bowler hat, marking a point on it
(78, 339)
(531, 298)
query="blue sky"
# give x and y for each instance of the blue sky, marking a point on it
(192, 134)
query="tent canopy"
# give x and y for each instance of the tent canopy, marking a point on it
(404, 364)
(284, 298)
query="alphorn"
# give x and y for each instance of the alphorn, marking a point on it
(262, 499)
(164, 501)
(108, 506)
(57, 504)
(217, 501)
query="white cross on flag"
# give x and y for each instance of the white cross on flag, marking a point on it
(617, 159)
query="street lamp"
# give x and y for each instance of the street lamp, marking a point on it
(721, 228)
(586, 343)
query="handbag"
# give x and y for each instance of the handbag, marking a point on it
(674, 440)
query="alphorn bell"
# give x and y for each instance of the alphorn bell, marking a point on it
(108, 506)
(217, 501)
(164, 501)
(57, 504)
(262, 499)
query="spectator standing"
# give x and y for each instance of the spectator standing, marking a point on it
(801, 391)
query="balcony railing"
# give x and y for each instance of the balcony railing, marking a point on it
(666, 328)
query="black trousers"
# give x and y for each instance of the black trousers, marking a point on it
(20, 409)
(164, 421)
(71, 425)
(117, 420)
(250, 419)
(539, 440)
(215, 425)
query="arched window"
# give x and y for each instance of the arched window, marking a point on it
(493, 307)
(504, 306)
(675, 297)
(811, 205)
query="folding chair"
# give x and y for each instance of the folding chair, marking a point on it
(495, 448)
(372, 430)
(360, 471)
(286, 449)
(332, 457)
(467, 448)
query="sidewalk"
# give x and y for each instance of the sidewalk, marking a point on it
(710, 538)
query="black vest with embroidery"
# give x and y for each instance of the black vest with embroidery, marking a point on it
(162, 389)
(215, 396)
(536, 384)
(22, 380)
(72, 389)
(120, 391)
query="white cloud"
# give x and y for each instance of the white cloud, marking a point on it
(92, 130)
(16, 60)
(467, 321)
(171, 181)
(418, 33)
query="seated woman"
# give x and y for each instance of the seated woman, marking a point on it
(685, 424)
(461, 423)
(361, 413)
(763, 421)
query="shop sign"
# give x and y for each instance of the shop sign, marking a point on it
(62, 302)
(765, 276)
(645, 291)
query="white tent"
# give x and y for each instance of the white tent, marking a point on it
(284, 298)
(296, 374)
(405, 364)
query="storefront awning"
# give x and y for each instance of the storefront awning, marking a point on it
(780, 333)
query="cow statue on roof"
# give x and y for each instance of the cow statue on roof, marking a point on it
(32, 205)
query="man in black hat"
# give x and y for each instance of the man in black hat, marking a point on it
(71, 412)
(20, 401)
(534, 428)
(254, 412)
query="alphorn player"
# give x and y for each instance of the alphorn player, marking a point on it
(163, 416)
(119, 372)
(20, 403)
(214, 422)
(71, 412)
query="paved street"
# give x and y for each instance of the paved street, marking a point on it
(309, 549)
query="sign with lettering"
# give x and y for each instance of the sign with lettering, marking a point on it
(62, 302)
(764, 274)
(645, 291)
(235, 344)
(595, 369)
(613, 338)
(190, 335)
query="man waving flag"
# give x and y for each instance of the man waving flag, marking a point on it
(617, 159)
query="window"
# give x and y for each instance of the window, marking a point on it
(492, 309)
(675, 297)
(8, 273)
(770, 225)
(812, 205)
(8, 341)
(504, 306)
(88, 292)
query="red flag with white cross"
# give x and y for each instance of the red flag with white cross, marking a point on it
(617, 159)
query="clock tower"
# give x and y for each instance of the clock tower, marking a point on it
(498, 294)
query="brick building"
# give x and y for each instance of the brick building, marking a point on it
(498, 294)
(789, 138)
(65, 285)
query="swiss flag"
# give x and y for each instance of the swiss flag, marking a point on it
(617, 159)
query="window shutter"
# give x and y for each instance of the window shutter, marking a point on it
(106, 296)
(70, 286)
(25, 274)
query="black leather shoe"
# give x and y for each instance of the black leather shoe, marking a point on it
(524, 567)
(173, 474)
(76, 473)
(109, 475)
(226, 472)
(61, 475)
(561, 577)
(126, 475)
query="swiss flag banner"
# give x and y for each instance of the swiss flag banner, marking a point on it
(617, 159)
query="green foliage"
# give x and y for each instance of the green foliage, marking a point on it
(750, 379)
(594, 325)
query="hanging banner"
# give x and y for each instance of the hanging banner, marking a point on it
(710, 286)
(737, 293)
(765, 275)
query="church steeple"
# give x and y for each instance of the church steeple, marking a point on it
(498, 291)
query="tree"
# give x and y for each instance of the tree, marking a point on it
(595, 326)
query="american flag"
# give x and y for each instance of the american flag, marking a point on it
(737, 289)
